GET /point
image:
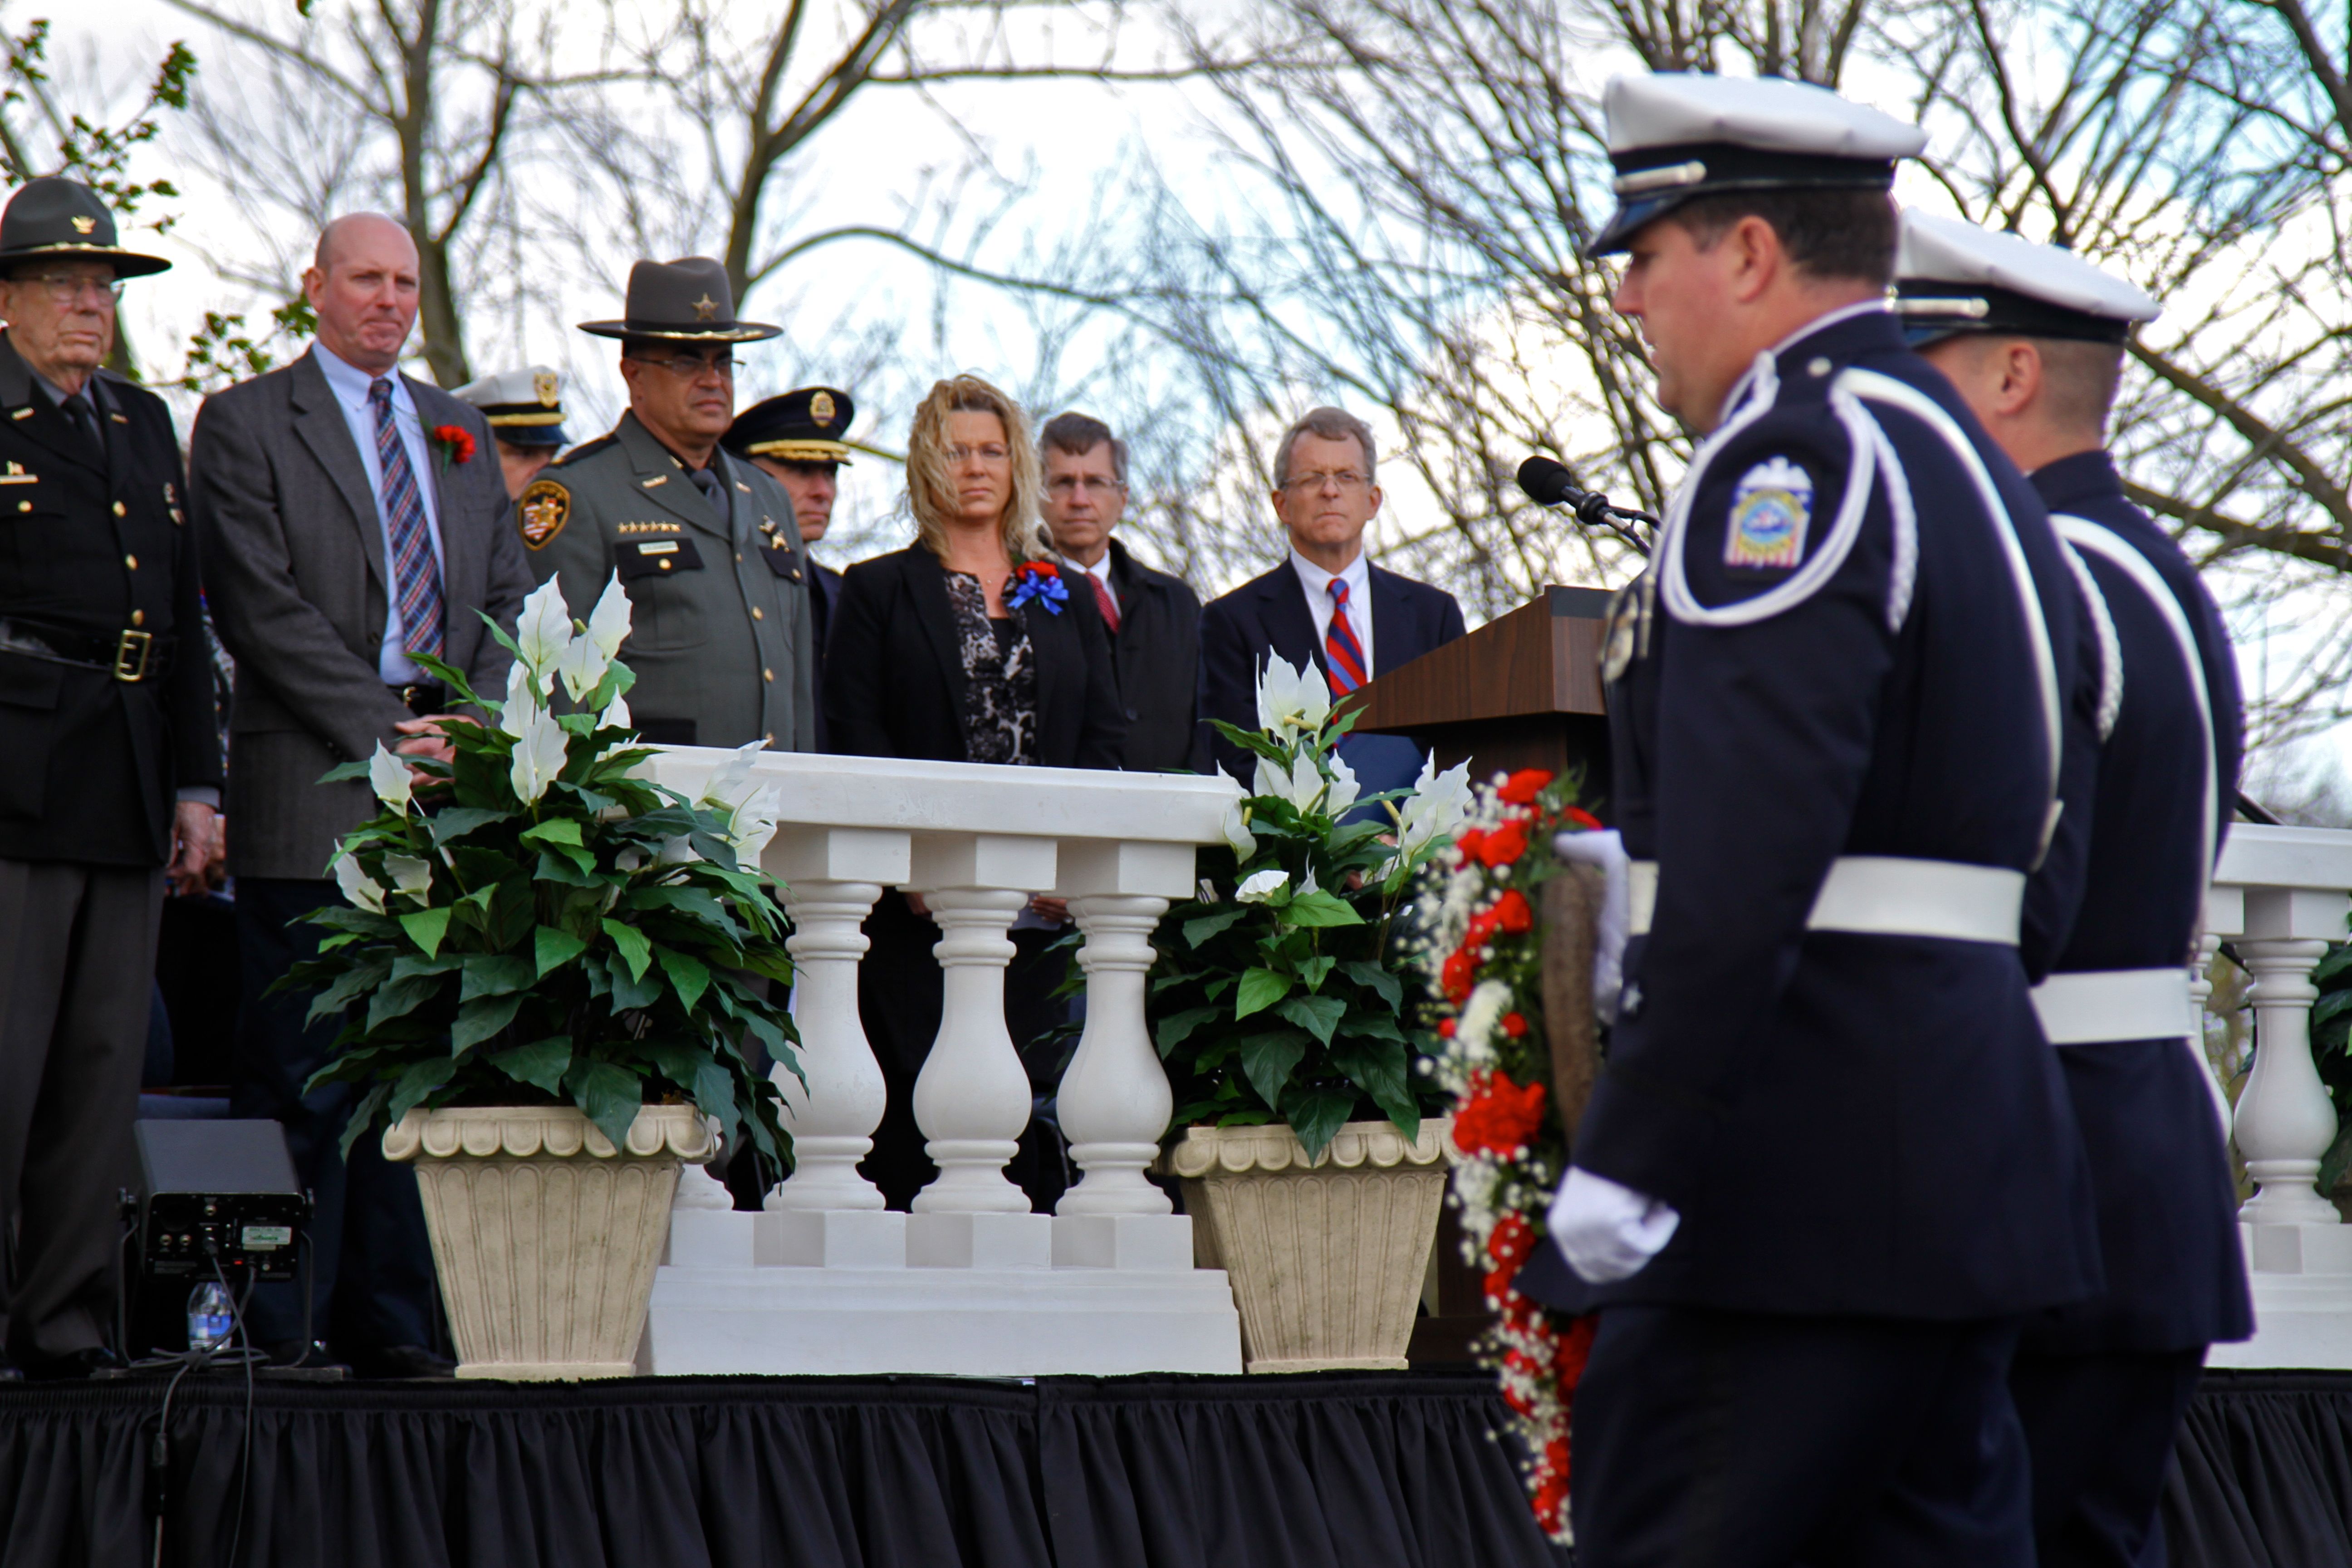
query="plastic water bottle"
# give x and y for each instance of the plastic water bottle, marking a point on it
(211, 1316)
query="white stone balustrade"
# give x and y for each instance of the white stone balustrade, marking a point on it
(2280, 896)
(825, 1282)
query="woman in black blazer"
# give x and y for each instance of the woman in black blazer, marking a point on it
(964, 646)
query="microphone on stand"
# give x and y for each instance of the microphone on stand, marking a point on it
(1549, 483)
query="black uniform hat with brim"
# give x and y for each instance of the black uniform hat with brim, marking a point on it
(803, 426)
(1676, 136)
(64, 220)
(682, 302)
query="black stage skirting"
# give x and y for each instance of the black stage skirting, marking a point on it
(1345, 1470)
(1364, 1470)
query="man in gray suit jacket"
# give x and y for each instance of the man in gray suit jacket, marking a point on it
(345, 527)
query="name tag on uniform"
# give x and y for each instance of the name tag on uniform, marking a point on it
(639, 558)
(1771, 508)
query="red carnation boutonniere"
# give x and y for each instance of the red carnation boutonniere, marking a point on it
(456, 443)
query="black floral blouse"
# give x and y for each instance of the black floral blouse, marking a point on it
(1000, 677)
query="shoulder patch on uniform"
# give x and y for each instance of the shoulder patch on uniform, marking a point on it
(585, 449)
(541, 513)
(1771, 508)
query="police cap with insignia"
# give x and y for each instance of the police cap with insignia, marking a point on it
(1953, 276)
(56, 218)
(803, 426)
(682, 302)
(1675, 136)
(524, 408)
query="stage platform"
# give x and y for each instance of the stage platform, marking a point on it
(1340, 1471)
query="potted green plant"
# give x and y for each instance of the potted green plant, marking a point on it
(547, 965)
(1311, 1160)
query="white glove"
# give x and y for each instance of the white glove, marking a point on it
(1608, 1232)
(1606, 850)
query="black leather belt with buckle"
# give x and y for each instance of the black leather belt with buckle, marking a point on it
(128, 656)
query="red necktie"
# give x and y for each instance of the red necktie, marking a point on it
(1343, 655)
(1104, 603)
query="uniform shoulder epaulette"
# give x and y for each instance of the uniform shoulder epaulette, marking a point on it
(585, 449)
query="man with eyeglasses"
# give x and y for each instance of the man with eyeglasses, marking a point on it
(722, 638)
(352, 518)
(1325, 603)
(1153, 619)
(112, 766)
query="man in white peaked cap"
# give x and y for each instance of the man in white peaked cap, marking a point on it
(525, 410)
(2033, 338)
(1828, 1165)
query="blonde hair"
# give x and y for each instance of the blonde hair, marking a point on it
(930, 477)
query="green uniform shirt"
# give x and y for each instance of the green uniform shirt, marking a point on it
(721, 632)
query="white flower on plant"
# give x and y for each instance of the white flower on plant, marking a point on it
(1236, 827)
(615, 715)
(522, 699)
(1261, 888)
(539, 755)
(358, 887)
(676, 849)
(1287, 696)
(389, 775)
(1307, 884)
(543, 632)
(1301, 785)
(747, 806)
(1436, 808)
(1343, 787)
(581, 666)
(409, 875)
(608, 623)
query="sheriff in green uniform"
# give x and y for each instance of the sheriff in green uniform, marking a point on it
(722, 642)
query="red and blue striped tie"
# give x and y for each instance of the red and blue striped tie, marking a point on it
(1343, 655)
(419, 585)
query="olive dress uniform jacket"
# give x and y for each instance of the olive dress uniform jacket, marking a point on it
(294, 564)
(894, 670)
(722, 637)
(1858, 636)
(95, 546)
(1155, 654)
(2166, 780)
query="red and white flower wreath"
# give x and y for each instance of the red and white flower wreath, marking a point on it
(1484, 960)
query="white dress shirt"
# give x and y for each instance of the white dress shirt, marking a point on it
(350, 385)
(1358, 576)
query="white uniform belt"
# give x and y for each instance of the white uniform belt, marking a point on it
(1890, 895)
(2115, 1005)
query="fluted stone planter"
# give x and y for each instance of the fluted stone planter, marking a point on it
(1326, 1260)
(544, 1234)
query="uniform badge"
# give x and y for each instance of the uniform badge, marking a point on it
(544, 387)
(820, 407)
(1771, 507)
(542, 512)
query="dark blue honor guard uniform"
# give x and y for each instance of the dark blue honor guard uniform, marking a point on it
(2101, 1386)
(1837, 696)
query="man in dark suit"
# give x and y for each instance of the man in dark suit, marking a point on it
(1326, 604)
(2033, 338)
(112, 761)
(343, 532)
(796, 440)
(1153, 619)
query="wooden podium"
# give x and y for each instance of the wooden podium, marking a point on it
(1521, 691)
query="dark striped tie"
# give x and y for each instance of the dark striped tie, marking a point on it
(1343, 655)
(419, 579)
